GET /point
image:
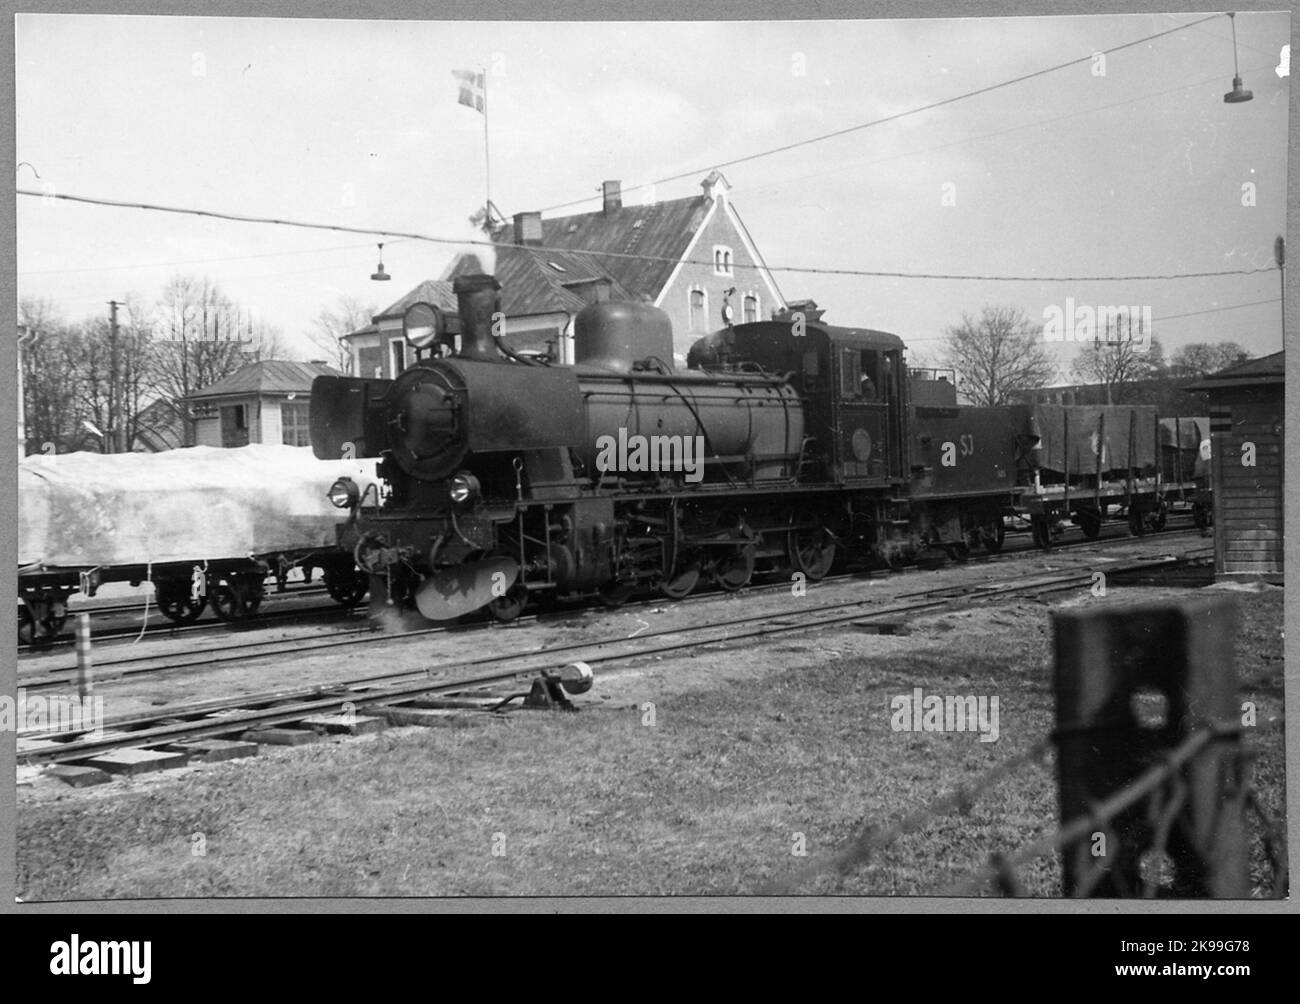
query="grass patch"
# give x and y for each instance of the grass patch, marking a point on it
(711, 799)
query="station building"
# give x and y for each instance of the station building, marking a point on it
(263, 402)
(699, 264)
(1247, 428)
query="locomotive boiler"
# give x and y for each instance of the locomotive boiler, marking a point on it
(506, 475)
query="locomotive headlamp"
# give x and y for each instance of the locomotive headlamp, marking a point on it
(344, 493)
(422, 325)
(464, 488)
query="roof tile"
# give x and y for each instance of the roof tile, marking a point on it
(268, 376)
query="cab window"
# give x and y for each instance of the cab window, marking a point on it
(850, 374)
(869, 381)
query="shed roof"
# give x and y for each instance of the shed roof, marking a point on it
(1265, 370)
(267, 376)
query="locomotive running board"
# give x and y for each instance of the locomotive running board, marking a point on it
(462, 589)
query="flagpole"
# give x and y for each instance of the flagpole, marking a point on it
(487, 158)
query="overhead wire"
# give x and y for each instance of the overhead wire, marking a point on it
(852, 165)
(786, 147)
(198, 261)
(1155, 317)
(623, 255)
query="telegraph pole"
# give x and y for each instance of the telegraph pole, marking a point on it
(114, 392)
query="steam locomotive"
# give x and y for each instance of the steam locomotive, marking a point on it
(786, 444)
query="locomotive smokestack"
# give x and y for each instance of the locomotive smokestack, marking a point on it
(478, 300)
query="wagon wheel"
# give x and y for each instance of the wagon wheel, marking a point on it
(509, 605)
(811, 551)
(178, 604)
(235, 599)
(225, 604)
(992, 536)
(1090, 524)
(347, 588)
(1041, 531)
(1137, 524)
(615, 593)
(733, 571)
(26, 625)
(679, 586)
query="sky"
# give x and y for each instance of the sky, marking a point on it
(1134, 167)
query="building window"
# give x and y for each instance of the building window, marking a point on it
(234, 425)
(750, 312)
(370, 362)
(721, 259)
(295, 428)
(398, 350)
(699, 309)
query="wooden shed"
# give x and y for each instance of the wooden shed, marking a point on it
(1247, 423)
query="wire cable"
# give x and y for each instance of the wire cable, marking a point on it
(626, 256)
(1154, 319)
(201, 261)
(895, 117)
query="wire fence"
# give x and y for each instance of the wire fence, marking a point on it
(1187, 818)
(1162, 787)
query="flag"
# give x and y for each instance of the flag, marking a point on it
(473, 91)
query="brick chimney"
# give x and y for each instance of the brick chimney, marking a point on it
(613, 193)
(528, 228)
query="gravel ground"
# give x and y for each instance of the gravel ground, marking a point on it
(714, 771)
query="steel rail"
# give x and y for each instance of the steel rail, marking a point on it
(418, 682)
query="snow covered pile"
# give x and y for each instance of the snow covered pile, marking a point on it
(80, 509)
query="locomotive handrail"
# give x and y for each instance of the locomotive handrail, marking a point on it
(699, 424)
(643, 366)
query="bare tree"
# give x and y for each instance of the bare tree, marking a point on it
(203, 337)
(1118, 366)
(116, 368)
(1203, 358)
(98, 387)
(997, 356)
(330, 325)
(52, 399)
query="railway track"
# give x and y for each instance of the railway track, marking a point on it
(242, 652)
(97, 609)
(1017, 542)
(222, 718)
(156, 623)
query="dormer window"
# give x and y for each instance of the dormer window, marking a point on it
(721, 259)
(697, 309)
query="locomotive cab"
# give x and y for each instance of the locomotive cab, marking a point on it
(851, 382)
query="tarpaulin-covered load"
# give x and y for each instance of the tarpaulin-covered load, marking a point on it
(1086, 429)
(89, 509)
(1184, 448)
